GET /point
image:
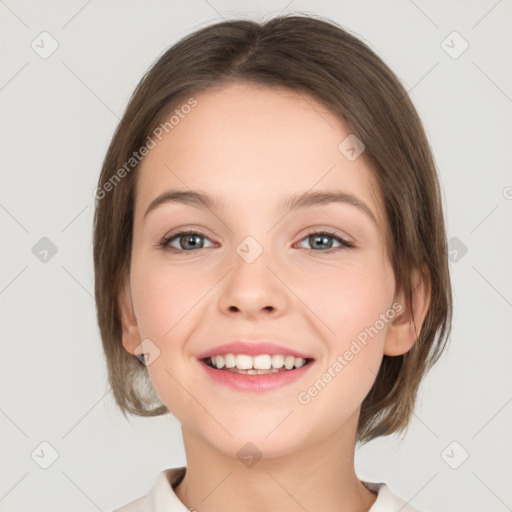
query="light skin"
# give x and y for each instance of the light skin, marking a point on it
(254, 147)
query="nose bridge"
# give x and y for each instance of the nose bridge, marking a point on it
(251, 285)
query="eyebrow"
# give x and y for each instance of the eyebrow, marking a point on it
(295, 202)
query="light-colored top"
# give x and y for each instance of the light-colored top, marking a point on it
(162, 498)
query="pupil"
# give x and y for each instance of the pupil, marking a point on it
(190, 241)
(325, 239)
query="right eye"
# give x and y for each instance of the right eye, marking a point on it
(187, 241)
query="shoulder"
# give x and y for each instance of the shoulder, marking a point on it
(138, 505)
(161, 496)
(387, 501)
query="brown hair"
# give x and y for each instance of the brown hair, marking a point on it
(317, 57)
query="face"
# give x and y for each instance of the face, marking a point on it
(311, 279)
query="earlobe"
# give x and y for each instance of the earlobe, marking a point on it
(405, 328)
(130, 329)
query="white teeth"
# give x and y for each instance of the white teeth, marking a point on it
(261, 362)
(230, 360)
(277, 361)
(299, 362)
(257, 364)
(244, 362)
(289, 361)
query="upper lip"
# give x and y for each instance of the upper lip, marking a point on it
(251, 348)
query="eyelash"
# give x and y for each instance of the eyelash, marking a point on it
(344, 244)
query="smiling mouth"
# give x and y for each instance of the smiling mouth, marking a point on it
(258, 365)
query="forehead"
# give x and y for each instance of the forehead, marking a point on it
(244, 142)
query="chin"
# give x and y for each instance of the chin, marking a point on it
(263, 439)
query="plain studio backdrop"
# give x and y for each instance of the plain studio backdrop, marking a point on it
(68, 69)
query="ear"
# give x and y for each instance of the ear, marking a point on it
(401, 334)
(130, 329)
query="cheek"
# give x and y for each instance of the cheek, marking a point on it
(166, 304)
(349, 299)
(352, 304)
(164, 298)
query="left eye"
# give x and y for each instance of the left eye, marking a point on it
(324, 239)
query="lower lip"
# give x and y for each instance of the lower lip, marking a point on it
(255, 383)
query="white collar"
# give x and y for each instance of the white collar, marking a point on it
(162, 498)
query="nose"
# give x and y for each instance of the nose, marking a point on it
(253, 289)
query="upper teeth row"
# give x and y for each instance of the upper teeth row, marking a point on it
(263, 362)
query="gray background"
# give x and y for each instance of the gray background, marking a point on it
(57, 117)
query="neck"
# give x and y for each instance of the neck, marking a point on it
(319, 476)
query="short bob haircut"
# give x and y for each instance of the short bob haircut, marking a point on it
(316, 57)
